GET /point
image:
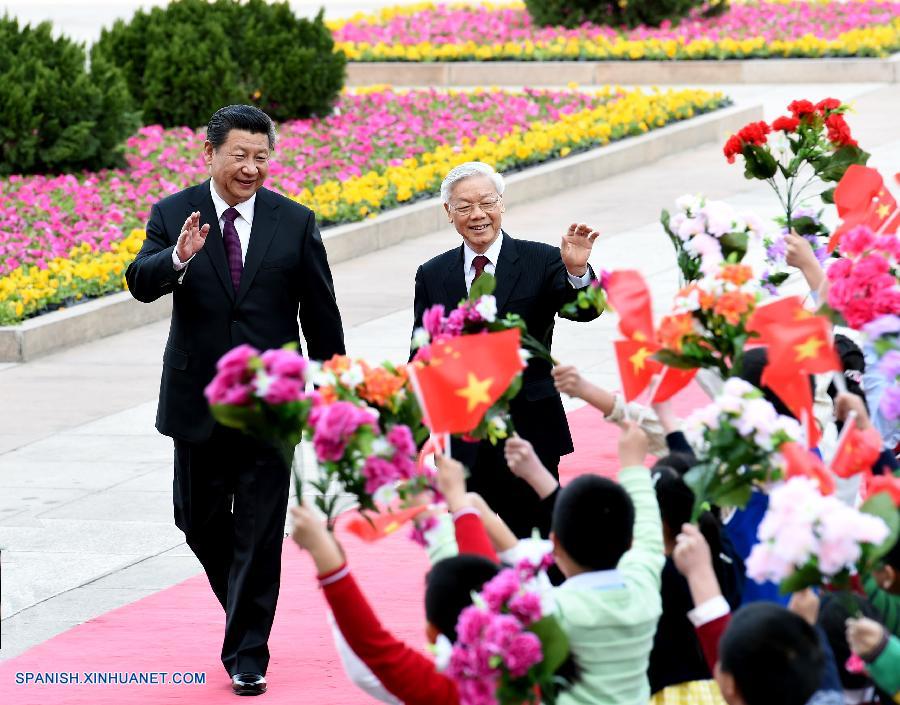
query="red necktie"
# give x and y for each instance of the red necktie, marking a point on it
(233, 247)
(480, 262)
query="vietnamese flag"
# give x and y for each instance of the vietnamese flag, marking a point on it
(629, 297)
(862, 199)
(373, 526)
(673, 381)
(781, 312)
(794, 390)
(856, 450)
(465, 377)
(803, 346)
(636, 367)
(802, 463)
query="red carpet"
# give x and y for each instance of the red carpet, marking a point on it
(180, 629)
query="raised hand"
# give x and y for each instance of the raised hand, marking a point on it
(864, 636)
(568, 380)
(633, 445)
(575, 248)
(192, 237)
(309, 532)
(451, 482)
(524, 463)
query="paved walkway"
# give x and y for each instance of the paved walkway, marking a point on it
(85, 507)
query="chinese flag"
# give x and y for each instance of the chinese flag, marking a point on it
(856, 451)
(802, 463)
(862, 199)
(629, 296)
(803, 346)
(636, 368)
(882, 483)
(794, 390)
(781, 312)
(376, 525)
(673, 381)
(465, 377)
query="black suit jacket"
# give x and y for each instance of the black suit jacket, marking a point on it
(285, 274)
(531, 281)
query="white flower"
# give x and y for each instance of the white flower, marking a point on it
(420, 338)
(719, 218)
(524, 356)
(386, 494)
(353, 377)
(755, 225)
(319, 376)
(382, 448)
(262, 382)
(710, 252)
(486, 307)
(689, 202)
(690, 227)
(442, 649)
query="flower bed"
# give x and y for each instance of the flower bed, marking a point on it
(753, 29)
(63, 238)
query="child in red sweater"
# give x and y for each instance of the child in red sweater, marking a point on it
(405, 673)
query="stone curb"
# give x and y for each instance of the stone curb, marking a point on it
(555, 73)
(120, 312)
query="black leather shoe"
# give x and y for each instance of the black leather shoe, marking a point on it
(248, 684)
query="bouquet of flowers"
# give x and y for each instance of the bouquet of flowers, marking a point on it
(884, 336)
(708, 325)
(806, 222)
(807, 539)
(708, 233)
(592, 296)
(737, 438)
(796, 152)
(509, 645)
(263, 395)
(863, 282)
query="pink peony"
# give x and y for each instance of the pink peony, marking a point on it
(334, 425)
(283, 390)
(236, 359)
(288, 363)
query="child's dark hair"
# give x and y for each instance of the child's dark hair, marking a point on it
(773, 655)
(449, 586)
(833, 614)
(755, 361)
(593, 520)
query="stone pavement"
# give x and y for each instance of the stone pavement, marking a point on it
(85, 506)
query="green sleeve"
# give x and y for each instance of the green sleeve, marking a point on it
(886, 604)
(646, 555)
(885, 670)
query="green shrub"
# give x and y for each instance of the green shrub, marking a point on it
(617, 13)
(188, 59)
(56, 115)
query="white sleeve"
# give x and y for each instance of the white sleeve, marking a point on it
(358, 672)
(579, 282)
(179, 265)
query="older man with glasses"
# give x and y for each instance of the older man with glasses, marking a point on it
(534, 280)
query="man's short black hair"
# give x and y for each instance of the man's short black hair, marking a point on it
(773, 655)
(239, 117)
(594, 521)
(449, 586)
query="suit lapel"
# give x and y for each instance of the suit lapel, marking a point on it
(265, 223)
(455, 280)
(508, 271)
(215, 245)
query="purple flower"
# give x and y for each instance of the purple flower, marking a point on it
(890, 402)
(890, 364)
(777, 250)
(882, 326)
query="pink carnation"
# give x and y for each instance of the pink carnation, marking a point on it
(455, 322)
(856, 241)
(283, 390)
(400, 436)
(334, 425)
(472, 622)
(236, 359)
(433, 320)
(526, 607)
(378, 472)
(499, 589)
(523, 652)
(288, 363)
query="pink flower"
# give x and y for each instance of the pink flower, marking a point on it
(289, 363)
(236, 359)
(400, 436)
(378, 472)
(334, 425)
(472, 622)
(455, 322)
(523, 652)
(499, 589)
(857, 241)
(283, 390)
(433, 320)
(526, 607)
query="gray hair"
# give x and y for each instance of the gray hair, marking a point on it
(466, 170)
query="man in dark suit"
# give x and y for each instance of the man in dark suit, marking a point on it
(533, 280)
(243, 276)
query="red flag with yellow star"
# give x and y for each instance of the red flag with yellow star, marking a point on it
(781, 312)
(803, 346)
(856, 450)
(373, 526)
(794, 390)
(673, 381)
(629, 297)
(803, 463)
(862, 199)
(465, 377)
(636, 367)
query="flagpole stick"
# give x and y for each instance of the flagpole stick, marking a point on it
(654, 386)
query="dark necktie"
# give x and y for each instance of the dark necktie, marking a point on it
(480, 262)
(233, 247)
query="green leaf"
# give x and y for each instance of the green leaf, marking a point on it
(828, 195)
(673, 359)
(735, 497)
(699, 478)
(554, 643)
(778, 278)
(882, 506)
(831, 314)
(805, 225)
(760, 164)
(734, 243)
(806, 577)
(483, 286)
(243, 418)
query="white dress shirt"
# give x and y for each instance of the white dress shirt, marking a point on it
(243, 224)
(493, 253)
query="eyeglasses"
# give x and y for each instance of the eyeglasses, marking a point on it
(491, 206)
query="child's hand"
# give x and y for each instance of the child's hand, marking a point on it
(521, 458)
(568, 380)
(451, 481)
(309, 532)
(844, 403)
(633, 445)
(864, 636)
(799, 252)
(691, 553)
(805, 603)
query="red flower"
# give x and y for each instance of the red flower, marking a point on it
(732, 148)
(839, 131)
(785, 124)
(828, 104)
(801, 108)
(754, 133)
